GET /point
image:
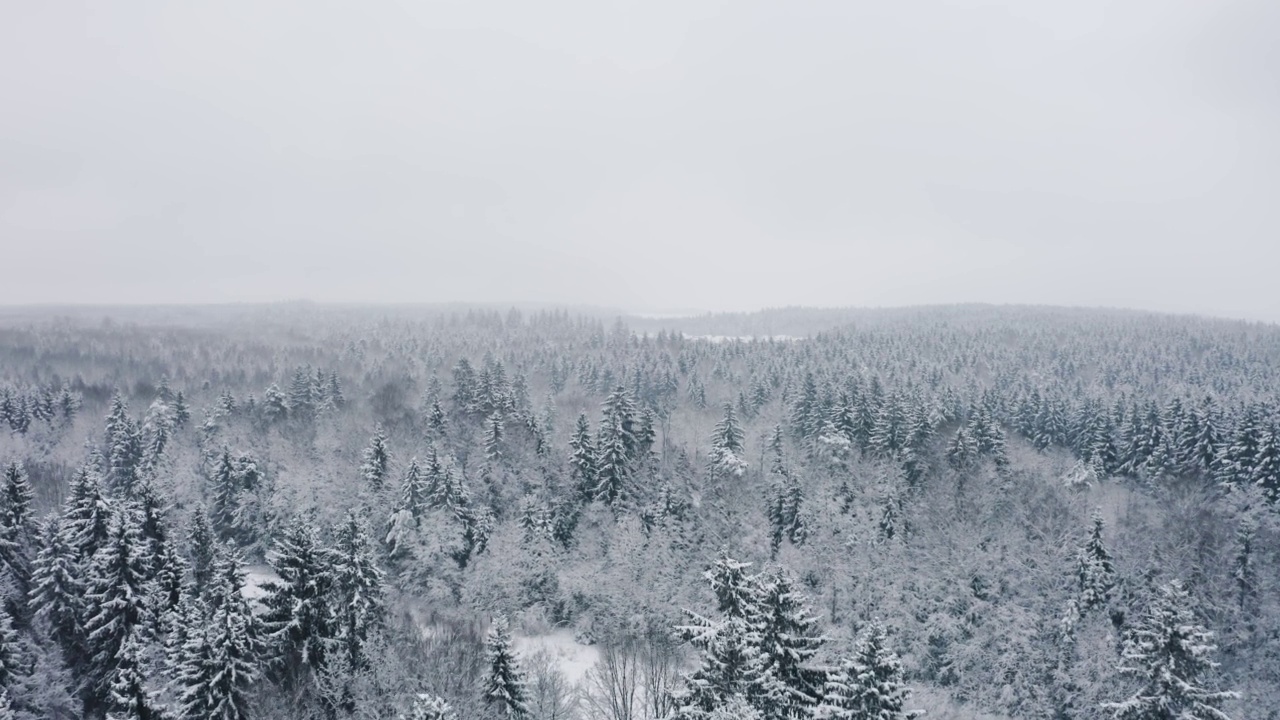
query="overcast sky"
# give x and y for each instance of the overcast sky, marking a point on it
(649, 155)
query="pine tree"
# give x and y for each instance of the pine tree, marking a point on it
(725, 456)
(129, 698)
(201, 549)
(731, 664)
(376, 461)
(1168, 654)
(87, 513)
(57, 591)
(504, 684)
(961, 451)
(10, 660)
(1243, 571)
(790, 639)
(17, 539)
(116, 596)
(1095, 572)
(298, 624)
(493, 432)
(869, 685)
(226, 494)
(414, 491)
(582, 459)
(613, 464)
(357, 589)
(219, 659)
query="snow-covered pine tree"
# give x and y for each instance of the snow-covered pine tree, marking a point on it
(869, 685)
(1243, 571)
(1168, 653)
(220, 658)
(357, 591)
(582, 459)
(57, 589)
(961, 451)
(116, 604)
(376, 461)
(201, 549)
(129, 697)
(87, 513)
(725, 458)
(413, 490)
(790, 638)
(298, 625)
(731, 664)
(503, 684)
(493, 433)
(1095, 572)
(17, 539)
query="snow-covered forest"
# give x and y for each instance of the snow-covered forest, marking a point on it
(301, 511)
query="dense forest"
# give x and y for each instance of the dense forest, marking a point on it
(302, 511)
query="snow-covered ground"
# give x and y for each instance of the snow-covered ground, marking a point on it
(572, 658)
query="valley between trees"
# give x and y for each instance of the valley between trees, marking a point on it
(323, 512)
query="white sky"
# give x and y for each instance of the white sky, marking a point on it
(650, 155)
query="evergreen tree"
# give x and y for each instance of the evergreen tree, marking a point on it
(790, 639)
(582, 459)
(869, 685)
(219, 659)
(57, 592)
(1095, 572)
(1168, 654)
(731, 664)
(129, 698)
(201, 549)
(87, 513)
(358, 591)
(725, 457)
(298, 624)
(17, 539)
(376, 461)
(961, 451)
(504, 684)
(493, 431)
(1243, 571)
(116, 606)
(414, 491)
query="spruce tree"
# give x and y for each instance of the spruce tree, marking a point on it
(17, 539)
(201, 549)
(1168, 653)
(725, 456)
(503, 684)
(582, 459)
(869, 685)
(1095, 572)
(129, 698)
(376, 461)
(790, 638)
(414, 493)
(298, 625)
(357, 591)
(57, 590)
(220, 657)
(116, 602)
(731, 664)
(87, 513)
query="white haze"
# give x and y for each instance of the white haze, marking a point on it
(649, 155)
